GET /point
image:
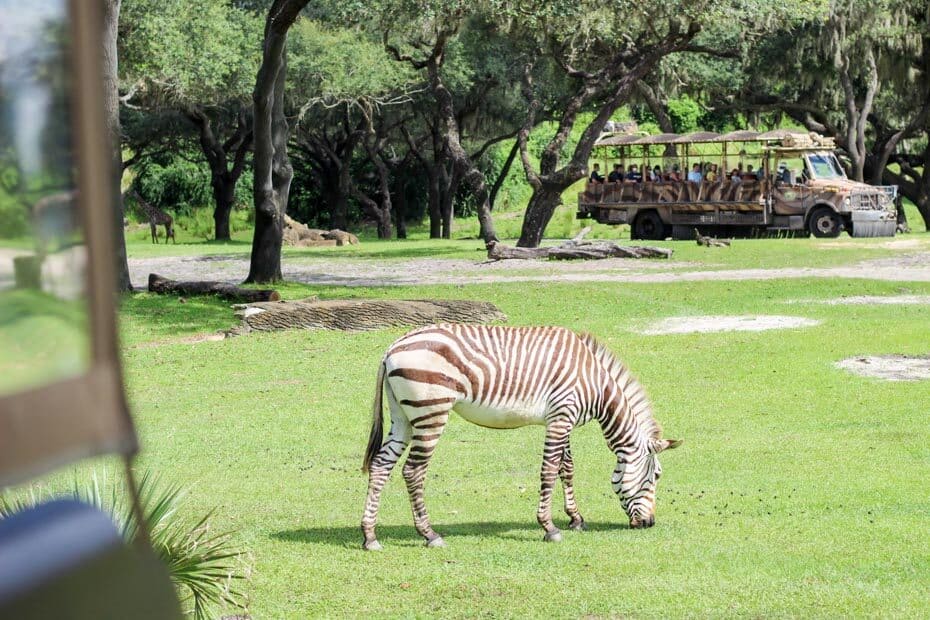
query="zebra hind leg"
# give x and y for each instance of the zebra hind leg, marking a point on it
(556, 441)
(426, 432)
(567, 473)
(379, 472)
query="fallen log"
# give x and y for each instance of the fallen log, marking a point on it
(710, 242)
(164, 286)
(575, 249)
(361, 314)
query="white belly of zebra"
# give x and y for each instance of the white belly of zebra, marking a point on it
(512, 415)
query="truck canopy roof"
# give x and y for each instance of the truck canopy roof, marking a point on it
(785, 138)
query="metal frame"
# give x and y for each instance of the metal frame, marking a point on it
(85, 416)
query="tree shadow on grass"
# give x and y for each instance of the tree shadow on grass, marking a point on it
(406, 535)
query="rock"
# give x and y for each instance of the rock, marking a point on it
(310, 233)
(315, 243)
(300, 235)
(341, 237)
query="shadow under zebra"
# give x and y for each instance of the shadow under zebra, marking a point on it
(407, 536)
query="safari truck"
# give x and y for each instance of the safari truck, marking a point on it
(671, 185)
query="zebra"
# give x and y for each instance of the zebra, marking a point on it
(508, 377)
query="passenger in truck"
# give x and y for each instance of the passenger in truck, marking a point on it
(616, 176)
(695, 175)
(596, 175)
(634, 174)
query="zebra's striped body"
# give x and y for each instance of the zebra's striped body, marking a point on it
(503, 377)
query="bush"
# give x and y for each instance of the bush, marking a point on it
(14, 218)
(202, 564)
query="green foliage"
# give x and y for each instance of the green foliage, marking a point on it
(14, 217)
(684, 113)
(181, 51)
(202, 564)
(199, 223)
(327, 64)
(175, 183)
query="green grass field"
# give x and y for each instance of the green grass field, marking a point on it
(800, 489)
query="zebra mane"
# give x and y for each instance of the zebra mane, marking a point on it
(632, 389)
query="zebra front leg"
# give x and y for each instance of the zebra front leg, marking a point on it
(556, 441)
(567, 473)
(426, 433)
(378, 474)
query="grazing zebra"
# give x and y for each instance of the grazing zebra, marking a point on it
(506, 377)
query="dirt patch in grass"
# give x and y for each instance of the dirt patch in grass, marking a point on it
(878, 300)
(889, 367)
(709, 324)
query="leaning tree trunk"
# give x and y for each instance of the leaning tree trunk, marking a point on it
(272, 168)
(464, 168)
(543, 204)
(111, 110)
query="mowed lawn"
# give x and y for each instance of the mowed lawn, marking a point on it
(800, 490)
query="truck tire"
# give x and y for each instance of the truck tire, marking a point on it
(824, 223)
(648, 225)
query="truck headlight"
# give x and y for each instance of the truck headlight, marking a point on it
(847, 202)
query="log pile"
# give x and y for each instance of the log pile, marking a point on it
(575, 249)
(164, 286)
(361, 314)
(302, 236)
(710, 242)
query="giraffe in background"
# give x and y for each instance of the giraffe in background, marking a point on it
(156, 217)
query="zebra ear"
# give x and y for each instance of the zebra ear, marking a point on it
(665, 444)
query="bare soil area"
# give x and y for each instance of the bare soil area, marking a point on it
(912, 267)
(709, 324)
(889, 367)
(875, 300)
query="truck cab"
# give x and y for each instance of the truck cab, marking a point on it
(828, 202)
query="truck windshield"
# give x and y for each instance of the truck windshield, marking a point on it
(825, 166)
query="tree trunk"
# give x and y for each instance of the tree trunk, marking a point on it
(224, 196)
(463, 167)
(400, 204)
(272, 168)
(338, 202)
(543, 204)
(434, 205)
(111, 110)
(552, 179)
(223, 179)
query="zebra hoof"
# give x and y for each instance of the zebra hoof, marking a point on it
(555, 536)
(436, 542)
(372, 545)
(578, 526)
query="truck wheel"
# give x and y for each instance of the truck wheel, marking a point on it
(648, 225)
(824, 222)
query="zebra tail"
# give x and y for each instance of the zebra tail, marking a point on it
(377, 423)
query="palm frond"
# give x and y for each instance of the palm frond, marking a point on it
(202, 563)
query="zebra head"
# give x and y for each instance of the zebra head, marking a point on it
(634, 481)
